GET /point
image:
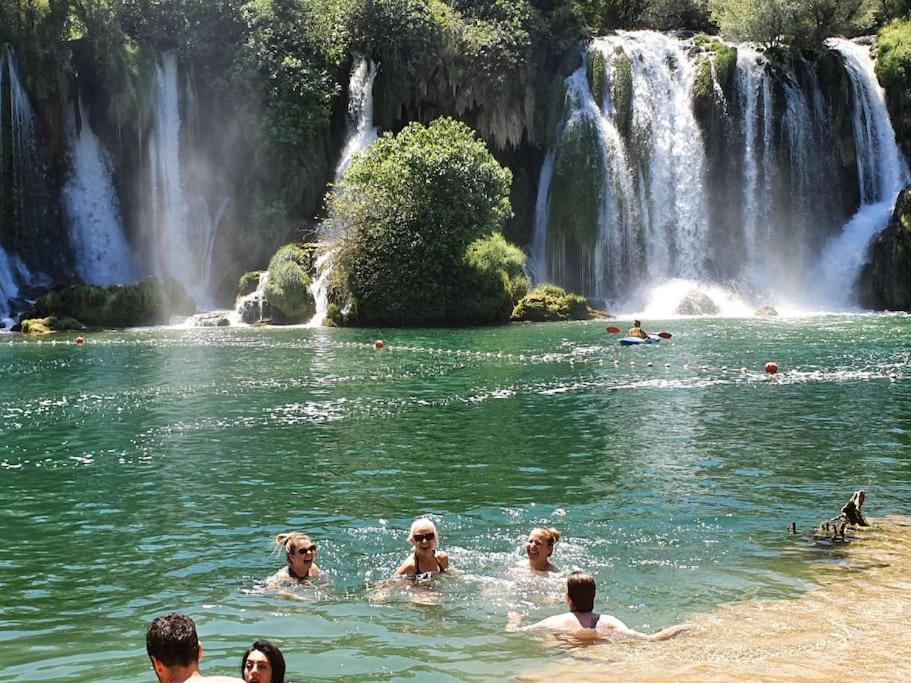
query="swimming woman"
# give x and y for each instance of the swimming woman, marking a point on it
(539, 547)
(263, 663)
(300, 555)
(426, 560)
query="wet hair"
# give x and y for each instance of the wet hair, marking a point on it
(551, 534)
(273, 654)
(287, 540)
(172, 640)
(580, 587)
(636, 323)
(422, 521)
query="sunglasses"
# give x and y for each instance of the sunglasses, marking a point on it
(304, 551)
(420, 538)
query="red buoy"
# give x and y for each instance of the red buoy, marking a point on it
(771, 368)
(378, 344)
(80, 340)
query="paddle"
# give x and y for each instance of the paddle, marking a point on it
(616, 330)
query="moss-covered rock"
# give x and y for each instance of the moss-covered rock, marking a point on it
(550, 303)
(494, 281)
(622, 92)
(885, 282)
(152, 301)
(596, 66)
(248, 283)
(893, 69)
(288, 290)
(577, 185)
(49, 324)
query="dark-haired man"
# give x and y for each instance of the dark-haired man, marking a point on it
(175, 651)
(583, 620)
(637, 331)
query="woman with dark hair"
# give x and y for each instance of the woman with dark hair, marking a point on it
(263, 663)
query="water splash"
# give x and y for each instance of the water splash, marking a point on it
(319, 287)
(102, 256)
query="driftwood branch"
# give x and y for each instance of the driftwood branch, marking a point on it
(851, 513)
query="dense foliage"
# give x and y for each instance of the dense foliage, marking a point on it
(549, 303)
(288, 289)
(893, 68)
(410, 212)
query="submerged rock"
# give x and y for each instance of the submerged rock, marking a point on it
(215, 319)
(152, 301)
(765, 312)
(697, 303)
(885, 282)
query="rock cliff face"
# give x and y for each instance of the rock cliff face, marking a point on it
(885, 283)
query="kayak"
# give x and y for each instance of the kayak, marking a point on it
(636, 341)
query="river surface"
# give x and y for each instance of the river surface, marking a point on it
(147, 471)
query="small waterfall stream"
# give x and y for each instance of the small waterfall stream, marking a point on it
(361, 133)
(102, 256)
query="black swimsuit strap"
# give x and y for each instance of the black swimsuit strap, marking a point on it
(417, 568)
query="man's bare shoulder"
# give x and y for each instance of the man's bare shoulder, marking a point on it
(217, 679)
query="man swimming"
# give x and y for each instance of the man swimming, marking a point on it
(583, 620)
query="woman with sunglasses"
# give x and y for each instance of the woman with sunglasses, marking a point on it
(263, 663)
(539, 547)
(425, 561)
(300, 554)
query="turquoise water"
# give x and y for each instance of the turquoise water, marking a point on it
(147, 471)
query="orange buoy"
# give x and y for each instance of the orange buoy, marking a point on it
(379, 344)
(771, 368)
(80, 340)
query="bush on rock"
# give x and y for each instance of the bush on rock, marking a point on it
(550, 303)
(288, 290)
(418, 214)
(148, 302)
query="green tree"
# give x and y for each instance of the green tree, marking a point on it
(408, 211)
(790, 22)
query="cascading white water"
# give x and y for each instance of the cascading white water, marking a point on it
(361, 133)
(538, 271)
(9, 288)
(780, 165)
(179, 246)
(250, 307)
(319, 287)
(360, 129)
(882, 173)
(102, 255)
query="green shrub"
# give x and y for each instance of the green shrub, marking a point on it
(248, 283)
(550, 303)
(288, 289)
(493, 281)
(622, 92)
(596, 66)
(147, 302)
(893, 69)
(407, 209)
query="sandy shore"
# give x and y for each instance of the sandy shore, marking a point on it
(856, 625)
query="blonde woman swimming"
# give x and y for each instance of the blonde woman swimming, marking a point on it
(539, 547)
(426, 560)
(300, 555)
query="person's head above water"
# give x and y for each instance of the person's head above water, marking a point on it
(637, 323)
(300, 552)
(423, 534)
(540, 546)
(263, 662)
(172, 644)
(580, 592)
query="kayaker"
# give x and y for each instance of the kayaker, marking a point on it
(637, 331)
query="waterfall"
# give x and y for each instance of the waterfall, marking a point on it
(538, 262)
(360, 129)
(742, 191)
(179, 245)
(9, 289)
(882, 173)
(101, 253)
(319, 288)
(360, 134)
(249, 309)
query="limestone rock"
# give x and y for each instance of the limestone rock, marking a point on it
(885, 282)
(765, 312)
(697, 303)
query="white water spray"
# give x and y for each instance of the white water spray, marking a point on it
(96, 232)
